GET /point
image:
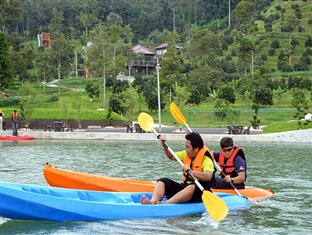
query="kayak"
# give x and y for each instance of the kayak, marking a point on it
(32, 202)
(18, 137)
(77, 180)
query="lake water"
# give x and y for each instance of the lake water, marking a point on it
(283, 167)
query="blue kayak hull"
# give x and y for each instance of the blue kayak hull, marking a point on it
(32, 202)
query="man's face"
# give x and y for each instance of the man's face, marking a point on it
(189, 149)
(227, 151)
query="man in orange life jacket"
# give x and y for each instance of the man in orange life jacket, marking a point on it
(15, 119)
(196, 158)
(233, 164)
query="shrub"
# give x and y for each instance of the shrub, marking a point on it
(294, 42)
(301, 29)
(275, 44)
(10, 101)
(308, 42)
(53, 98)
(271, 52)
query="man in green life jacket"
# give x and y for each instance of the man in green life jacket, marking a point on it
(197, 158)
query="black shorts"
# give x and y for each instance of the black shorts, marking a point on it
(172, 188)
(222, 184)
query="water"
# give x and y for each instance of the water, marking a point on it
(283, 167)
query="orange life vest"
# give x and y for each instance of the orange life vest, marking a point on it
(198, 161)
(228, 167)
(15, 115)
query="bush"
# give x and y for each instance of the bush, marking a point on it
(286, 27)
(227, 93)
(301, 29)
(53, 98)
(268, 27)
(310, 21)
(308, 42)
(10, 101)
(271, 52)
(294, 42)
(275, 44)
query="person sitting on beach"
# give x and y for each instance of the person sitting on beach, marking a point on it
(233, 165)
(197, 159)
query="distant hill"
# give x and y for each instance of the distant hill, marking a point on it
(286, 26)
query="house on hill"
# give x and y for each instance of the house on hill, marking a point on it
(162, 49)
(143, 60)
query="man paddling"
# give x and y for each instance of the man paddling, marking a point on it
(196, 158)
(233, 165)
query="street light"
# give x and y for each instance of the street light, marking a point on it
(158, 95)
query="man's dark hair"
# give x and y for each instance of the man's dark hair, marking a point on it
(226, 142)
(195, 139)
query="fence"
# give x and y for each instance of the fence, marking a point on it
(266, 115)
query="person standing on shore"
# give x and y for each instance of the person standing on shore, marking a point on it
(15, 120)
(1, 119)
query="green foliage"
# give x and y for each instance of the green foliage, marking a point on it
(131, 104)
(255, 122)
(224, 111)
(227, 93)
(300, 102)
(275, 44)
(93, 90)
(6, 71)
(10, 101)
(116, 104)
(27, 104)
(53, 98)
(262, 95)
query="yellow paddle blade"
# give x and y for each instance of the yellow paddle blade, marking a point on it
(177, 114)
(146, 121)
(215, 206)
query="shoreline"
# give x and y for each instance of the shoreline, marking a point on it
(297, 136)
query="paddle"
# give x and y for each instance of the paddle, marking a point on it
(214, 205)
(180, 118)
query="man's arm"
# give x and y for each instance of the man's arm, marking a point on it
(207, 173)
(162, 140)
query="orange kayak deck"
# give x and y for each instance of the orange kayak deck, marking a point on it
(57, 177)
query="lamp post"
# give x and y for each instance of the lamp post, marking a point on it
(229, 26)
(158, 95)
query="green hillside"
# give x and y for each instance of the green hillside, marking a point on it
(256, 72)
(298, 27)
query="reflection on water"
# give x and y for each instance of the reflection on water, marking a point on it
(280, 166)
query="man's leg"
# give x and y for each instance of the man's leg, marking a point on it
(158, 194)
(184, 195)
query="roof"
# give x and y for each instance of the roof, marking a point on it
(162, 46)
(141, 49)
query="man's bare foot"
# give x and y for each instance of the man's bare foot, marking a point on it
(144, 200)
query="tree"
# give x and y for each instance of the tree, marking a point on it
(181, 95)
(262, 95)
(227, 93)
(93, 90)
(246, 48)
(244, 12)
(6, 71)
(131, 102)
(301, 103)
